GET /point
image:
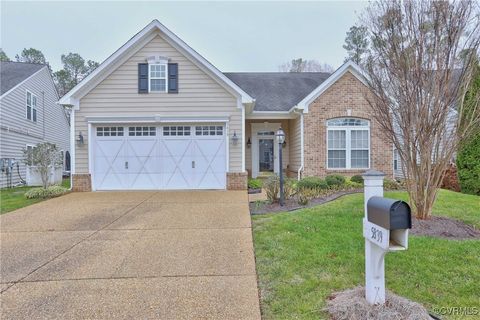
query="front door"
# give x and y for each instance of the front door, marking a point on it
(264, 149)
(265, 155)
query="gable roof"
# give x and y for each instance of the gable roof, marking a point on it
(14, 73)
(72, 97)
(277, 91)
(348, 66)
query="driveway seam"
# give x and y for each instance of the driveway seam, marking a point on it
(146, 277)
(76, 244)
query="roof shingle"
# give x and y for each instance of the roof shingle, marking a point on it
(12, 73)
(277, 91)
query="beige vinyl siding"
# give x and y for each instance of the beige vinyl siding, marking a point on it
(199, 95)
(248, 151)
(295, 144)
(17, 131)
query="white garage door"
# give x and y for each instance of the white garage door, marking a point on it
(159, 157)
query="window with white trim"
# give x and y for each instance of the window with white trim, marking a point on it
(142, 131)
(31, 106)
(109, 131)
(209, 130)
(348, 143)
(157, 73)
(173, 131)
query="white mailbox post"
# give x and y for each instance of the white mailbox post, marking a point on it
(385, 228)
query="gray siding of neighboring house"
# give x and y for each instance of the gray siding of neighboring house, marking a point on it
(16, 131)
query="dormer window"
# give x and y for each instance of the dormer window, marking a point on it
(157, 77)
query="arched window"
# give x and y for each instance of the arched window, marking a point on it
(348, 143)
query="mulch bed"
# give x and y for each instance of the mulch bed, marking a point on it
(352, 305)
(441, 227)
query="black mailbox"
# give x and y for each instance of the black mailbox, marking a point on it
(388, 213)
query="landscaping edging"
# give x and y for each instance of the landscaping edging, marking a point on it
(292, 204)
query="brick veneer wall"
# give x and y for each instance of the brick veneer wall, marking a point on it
(345, 98)
(237, 180)
(82, 182)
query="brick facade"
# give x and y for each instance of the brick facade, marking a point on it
(82, 182)
(237, 180)
(345, 98)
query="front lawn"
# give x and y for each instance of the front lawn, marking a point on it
(304, 256)
(14, 198)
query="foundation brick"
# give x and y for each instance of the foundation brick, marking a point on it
(82, 182)
(237, 180)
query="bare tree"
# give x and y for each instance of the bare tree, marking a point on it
(301, 65)
(418, 80)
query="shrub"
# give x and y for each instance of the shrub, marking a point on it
(312, 183)
(254, 183)
(391, 185)
(304, 195)
(350, 184)
(357, 179)
(335, 180)
(272, 187)
(41, 193)
(289, 188)
(468, 166)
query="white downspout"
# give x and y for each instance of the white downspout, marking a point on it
(299, 173)
(72, 146)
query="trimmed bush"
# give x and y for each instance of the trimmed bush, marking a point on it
(254, 183)
(312, 183)
(468, 166)
(357, 179)
(41, 193)
(391, 185)
(335, 180)
(349, 184)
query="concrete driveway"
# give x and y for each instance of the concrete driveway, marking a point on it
(130, 255)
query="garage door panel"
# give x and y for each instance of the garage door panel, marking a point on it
(160, 162)
(210, 147)
(211, 180)
(109, 147)
(176, 148)
(141, 147)
(178, 180)
(142, 181)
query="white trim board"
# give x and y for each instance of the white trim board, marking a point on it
(105, 68)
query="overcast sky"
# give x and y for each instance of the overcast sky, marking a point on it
(234, 36)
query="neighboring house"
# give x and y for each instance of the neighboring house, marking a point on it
(29, 115)
(157, 115)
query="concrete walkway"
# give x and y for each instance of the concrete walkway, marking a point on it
(130, 255)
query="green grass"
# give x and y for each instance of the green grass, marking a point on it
(14, 198)
(304, 256)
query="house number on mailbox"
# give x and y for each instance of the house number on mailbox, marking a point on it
(376, 234)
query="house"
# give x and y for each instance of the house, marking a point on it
(29, 115)
(157, 115)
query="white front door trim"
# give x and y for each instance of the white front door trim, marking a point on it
(258, 127)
